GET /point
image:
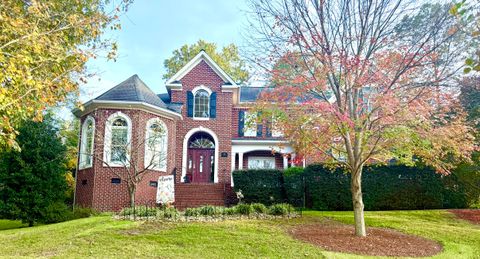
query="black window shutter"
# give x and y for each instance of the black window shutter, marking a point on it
(189, 104)
(259, 126)
(213, 105)
(241, 123)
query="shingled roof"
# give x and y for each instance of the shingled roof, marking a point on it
(134, 90)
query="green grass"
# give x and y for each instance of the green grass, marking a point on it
(460, 239)
(103, 236)
(10, 224)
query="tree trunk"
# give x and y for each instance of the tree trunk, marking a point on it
(131, 191)
(358, 206)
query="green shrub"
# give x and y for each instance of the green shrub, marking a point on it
(244, 209)
(280, 209)
(169, 213)
(210, 210)
(83, 212)
(139, 211)
(192, 212)
(230, 211)
(291, 171)
(264, 186)
(259, 208)
(56, 212)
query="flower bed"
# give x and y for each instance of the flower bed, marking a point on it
(210, 213)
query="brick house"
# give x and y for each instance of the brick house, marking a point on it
(203, 117)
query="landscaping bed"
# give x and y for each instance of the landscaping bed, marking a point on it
(336, 237)
(209, 213)
(470, 215)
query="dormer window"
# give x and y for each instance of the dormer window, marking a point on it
(201, 104)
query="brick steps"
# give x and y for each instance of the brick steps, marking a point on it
(188, 195)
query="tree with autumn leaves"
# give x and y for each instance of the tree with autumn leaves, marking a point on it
(358, 82)
(44, 46)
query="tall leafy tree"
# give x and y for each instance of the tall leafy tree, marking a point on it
(44, 46)
(33, 179)
(468, 14)
(370, 82)
(228, 59)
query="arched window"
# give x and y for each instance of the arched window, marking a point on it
(156, 138)
(87, 138)
(117, 140)
(201, 104)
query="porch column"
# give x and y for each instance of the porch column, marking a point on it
(285, 161)
(240, 160)
(233, 161)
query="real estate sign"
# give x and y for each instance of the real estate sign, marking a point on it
(166, 189)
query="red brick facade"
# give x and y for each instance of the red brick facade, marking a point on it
(94, 187)
(98, 191)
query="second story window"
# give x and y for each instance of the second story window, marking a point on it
(201, 104)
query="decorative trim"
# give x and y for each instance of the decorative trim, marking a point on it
(185, 150)
(201, 87)
(92, 104)
(192, 63)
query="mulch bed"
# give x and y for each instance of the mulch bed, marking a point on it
(470, 215)
(378, 242)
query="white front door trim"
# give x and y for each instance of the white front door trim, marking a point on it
(185, 151)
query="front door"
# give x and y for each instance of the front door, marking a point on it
(200, 165)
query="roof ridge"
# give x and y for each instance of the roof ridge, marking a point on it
(136, 79)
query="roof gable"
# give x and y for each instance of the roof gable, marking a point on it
(174, 81)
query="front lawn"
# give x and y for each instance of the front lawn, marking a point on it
(102, 236)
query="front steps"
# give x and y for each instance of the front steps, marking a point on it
(188, 195)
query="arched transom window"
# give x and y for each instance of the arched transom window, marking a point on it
(86, 148)
(201, 104)
(156, 145)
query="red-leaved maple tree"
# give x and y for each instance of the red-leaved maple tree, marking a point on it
(359, 82)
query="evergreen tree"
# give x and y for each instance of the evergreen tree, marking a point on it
(32, 181)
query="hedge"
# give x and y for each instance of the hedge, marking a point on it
(384, 188)
(260, 186)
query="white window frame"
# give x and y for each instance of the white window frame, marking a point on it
(108, 140)
(249, 129)
(261, 158)
(164, 148)
(83, 144)
(194, 92)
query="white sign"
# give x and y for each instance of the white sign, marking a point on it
(166, 189)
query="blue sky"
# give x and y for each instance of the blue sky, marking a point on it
(152, 29)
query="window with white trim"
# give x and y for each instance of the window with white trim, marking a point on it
(156, 145)
(118, 131)
(119, 141)
(201, 104)
(259, 162)
(87, 138)
(250, 126)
